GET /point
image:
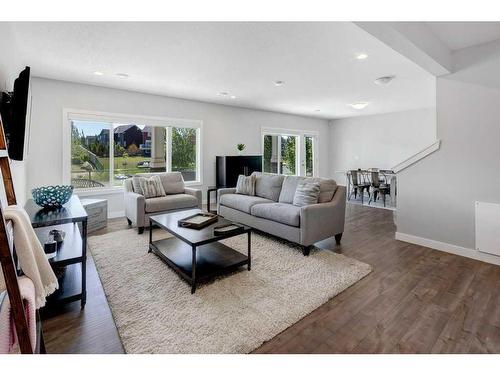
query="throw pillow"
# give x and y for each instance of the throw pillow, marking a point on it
(245, 185)
(152, 187)
(306, 194)
(136, 185)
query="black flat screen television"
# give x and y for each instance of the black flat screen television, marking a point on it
(13, 108)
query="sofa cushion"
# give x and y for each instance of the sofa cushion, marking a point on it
(173, 182)
(268, 185)
(327, 188)
(242, 202)
(283, 213)
(170, 202)
(290, 184)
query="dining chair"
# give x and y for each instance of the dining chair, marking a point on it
(379, 187)
(358, 184)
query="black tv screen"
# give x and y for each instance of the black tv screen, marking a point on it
(13, 110)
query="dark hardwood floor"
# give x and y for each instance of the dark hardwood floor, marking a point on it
(416, 300)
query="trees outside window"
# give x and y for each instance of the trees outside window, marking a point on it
(105, 154)
(289, 152)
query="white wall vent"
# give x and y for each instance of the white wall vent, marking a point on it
(488, 228)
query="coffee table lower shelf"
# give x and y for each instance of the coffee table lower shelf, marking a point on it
(209, 260)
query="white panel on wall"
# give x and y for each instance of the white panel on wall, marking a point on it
(488, 227)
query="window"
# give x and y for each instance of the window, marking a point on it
(289, 152)
(90, 154)
(184, 146)
(288, 160)
(309, 155)
(104, 153)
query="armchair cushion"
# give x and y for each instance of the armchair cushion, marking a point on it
(173, 182)
(170, 202)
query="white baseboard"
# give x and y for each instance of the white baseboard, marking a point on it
(115, 214)
(448, 248)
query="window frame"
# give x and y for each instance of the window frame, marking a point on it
(300, 162)
(70, 115)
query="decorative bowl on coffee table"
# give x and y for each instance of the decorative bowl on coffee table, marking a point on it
(52, 196)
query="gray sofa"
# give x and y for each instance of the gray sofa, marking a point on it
(271, 209)
(179, 197)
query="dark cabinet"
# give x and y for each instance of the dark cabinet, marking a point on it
(228, 168)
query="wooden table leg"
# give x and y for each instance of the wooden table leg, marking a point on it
(150, 235)
(193, 271)
(249, 266)
(84, 263)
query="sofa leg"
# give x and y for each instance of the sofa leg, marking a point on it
(140, 230)
(338, 237)
(129, 221)
(306, 250)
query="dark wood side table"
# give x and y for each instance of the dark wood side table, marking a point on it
(210, 189)
(71, 254)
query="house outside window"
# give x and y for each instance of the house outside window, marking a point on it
(96, 162)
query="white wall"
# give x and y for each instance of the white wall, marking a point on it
(223, 126)
(437, 195)
(379, 141)
(9, 70)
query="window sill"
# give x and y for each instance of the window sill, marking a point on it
(119, 189)
(98, 191)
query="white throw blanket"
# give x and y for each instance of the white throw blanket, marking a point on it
(8, 335)
(31, 256)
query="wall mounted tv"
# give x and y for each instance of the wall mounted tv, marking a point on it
(13, 108)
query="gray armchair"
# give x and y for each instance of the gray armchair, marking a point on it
(178, 198)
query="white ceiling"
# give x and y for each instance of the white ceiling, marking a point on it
(198, 60)
(458, 35)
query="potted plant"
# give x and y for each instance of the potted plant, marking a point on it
(240, 147)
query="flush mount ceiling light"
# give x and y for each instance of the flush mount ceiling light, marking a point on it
(223, 93)
(361, 56)
(317, 110)
(233, 96)
(359, 105)
(384, 80)
(122, 75)
(97, 73)
(278, 83)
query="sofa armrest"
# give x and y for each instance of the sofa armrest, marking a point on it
(195, 193)
(323, 220)
(221, 192)
(135, 207)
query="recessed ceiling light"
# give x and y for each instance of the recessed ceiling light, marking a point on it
(361, 56)
(223, 93)
(233, 96)
(384, 80)
(317, 110)
(122, 75)
(359, 105)
(97, 73)
(278, 83)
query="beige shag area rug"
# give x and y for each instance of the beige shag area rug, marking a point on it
(155, 311)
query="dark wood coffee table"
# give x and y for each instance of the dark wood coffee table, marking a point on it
(196, 254)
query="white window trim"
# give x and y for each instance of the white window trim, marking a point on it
(300, 162)
(71, 114)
